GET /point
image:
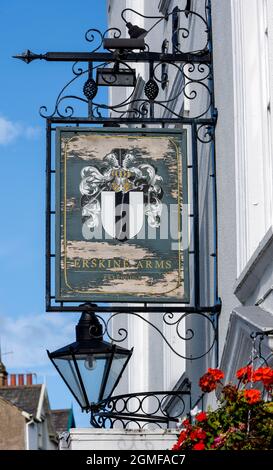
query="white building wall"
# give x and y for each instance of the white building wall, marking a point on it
(153, 367)
(253, 122)
(113, 439)
(243, 74)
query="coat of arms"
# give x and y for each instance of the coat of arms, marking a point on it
(120, 194)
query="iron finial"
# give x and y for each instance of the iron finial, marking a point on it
(28, 56)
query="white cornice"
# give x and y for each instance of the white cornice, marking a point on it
(255, 268)
(40, 404)
(238, 345)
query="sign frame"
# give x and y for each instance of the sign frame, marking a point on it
(182, 134)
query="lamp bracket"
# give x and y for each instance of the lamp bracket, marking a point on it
(172, 322)
(132, 409)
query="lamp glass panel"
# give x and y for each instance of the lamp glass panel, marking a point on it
(67, 368)
(115, 371)
(93, 377)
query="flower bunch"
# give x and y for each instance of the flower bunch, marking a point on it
(210, 380)
(243, 419)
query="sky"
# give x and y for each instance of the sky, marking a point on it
(26, 330)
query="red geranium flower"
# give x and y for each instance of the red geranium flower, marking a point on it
(182, 437)
(199, 446)
(201, 434)
(208, 381)
(252, 396)
(201, 417)
(198, 434)
(193, 435)
(186, 423)
(217, 374)
(265, 375)
(245, 374)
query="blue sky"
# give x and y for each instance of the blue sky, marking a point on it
(25, 328)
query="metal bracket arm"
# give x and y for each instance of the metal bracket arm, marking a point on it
(29, 56)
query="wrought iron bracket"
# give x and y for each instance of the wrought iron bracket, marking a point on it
(175, 321)
(150, 103)
(109, 57)
(193, 66)
(194, 72)
(140, 409)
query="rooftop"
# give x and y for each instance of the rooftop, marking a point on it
(62, 420)
(25, 397)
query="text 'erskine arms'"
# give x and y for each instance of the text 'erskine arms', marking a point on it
(96, 263)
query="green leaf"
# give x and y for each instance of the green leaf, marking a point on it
(268, 407)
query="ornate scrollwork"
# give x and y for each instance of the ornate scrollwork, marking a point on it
(205, 133)
(139, 410)
(193, 75)
(177, 321)
(183, 32)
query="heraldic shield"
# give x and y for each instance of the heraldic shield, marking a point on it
(121, 219)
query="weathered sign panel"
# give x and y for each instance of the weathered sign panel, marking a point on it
(121, 215)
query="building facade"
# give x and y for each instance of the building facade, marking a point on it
(26, 419)
(243, 70)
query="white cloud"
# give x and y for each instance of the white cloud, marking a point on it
(29, 336)
(10, 131)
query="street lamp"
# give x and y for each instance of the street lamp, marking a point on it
(90, 367)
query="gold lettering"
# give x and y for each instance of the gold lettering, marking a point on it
(149, 264)
(117, 263)
(168, 264)
(101, 264)
(77, 263)
(85, 263)
(94, 263)
(159, 264)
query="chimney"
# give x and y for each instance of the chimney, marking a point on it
(21, 381)
(3, 375)
(29, 379)
(12, 380)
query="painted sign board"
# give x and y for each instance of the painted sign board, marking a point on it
(121, 215)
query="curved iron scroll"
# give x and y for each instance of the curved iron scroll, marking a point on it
(257, 338)
(139, 410)
(168, 320)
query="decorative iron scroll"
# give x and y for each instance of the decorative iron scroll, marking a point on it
(169, 319)
(192, 68)
(140, 410)
(257, 356)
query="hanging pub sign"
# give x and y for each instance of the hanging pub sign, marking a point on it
(121, 215)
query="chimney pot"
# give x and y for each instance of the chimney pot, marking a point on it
(21, 381)
(12, 380)
(29, 379)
